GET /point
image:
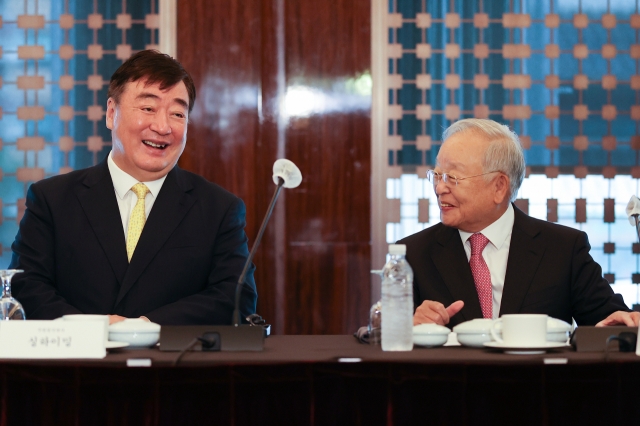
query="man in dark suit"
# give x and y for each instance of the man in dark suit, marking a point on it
(135, 236)
(487, 258)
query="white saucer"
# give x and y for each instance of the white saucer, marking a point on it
(115, 345)
(525, 350)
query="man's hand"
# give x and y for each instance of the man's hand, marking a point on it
(435, 312)
(115, 318)
(630, 319)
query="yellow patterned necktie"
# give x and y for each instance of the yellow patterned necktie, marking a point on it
(137, 218)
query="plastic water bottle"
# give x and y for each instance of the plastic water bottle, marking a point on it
(397, 301)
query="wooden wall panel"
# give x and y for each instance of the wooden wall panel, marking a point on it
(230, 48)
(327, 293)
(314, 262)
(221, 58)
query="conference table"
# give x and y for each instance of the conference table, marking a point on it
(324, 380)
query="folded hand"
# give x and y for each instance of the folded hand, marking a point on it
(115, 318)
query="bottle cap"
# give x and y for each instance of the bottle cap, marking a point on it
(397, 249)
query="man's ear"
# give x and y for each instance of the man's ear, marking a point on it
(111, 113)
(501, 186)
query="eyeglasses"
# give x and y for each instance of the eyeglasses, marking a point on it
(435, 177)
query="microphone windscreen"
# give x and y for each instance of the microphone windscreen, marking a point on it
(288, 171)
(633, 209)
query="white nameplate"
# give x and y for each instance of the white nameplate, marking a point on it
(139, 362)
(52, 339)
(556, 360)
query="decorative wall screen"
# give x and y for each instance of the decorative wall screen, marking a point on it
(564, 74)
(56, 58)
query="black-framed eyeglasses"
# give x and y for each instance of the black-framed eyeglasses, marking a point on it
(435, 177)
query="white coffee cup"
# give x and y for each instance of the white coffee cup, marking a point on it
(89, 317)
(521, 330)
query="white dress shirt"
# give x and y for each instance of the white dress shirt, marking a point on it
(496, 253)
(122, 183)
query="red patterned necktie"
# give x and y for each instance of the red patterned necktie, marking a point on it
(481, 274)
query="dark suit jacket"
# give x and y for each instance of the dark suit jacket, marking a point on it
(189, 257)
(549, 271)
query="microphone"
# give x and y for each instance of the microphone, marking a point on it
(633, 211)
(234, 337)
(287, 175)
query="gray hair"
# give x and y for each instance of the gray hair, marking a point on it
(504, 154)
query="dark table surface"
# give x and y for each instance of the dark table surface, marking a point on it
(332, 348)
(300, 380)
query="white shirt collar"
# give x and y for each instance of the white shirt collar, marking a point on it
(122, 181)
(498, 231)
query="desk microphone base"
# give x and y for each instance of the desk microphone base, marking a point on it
(594, 339)
(241, 338)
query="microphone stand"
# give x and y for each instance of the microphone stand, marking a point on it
(636, 306)
(234, 337)
(243, 275)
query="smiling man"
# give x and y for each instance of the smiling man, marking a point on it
(135, 236)
(487, 258)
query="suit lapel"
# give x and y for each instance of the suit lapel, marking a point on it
(168, 210)
(525, 254)
(451, 262)
(98, 200)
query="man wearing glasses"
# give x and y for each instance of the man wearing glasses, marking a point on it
(487, 258)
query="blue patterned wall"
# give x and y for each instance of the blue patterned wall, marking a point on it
(564, 74)
(56, 58)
